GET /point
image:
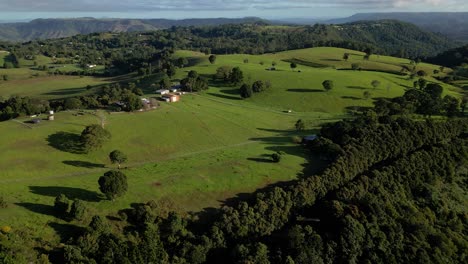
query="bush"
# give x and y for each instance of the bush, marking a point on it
(62, 204)
(78, 210)
(6, 229)
(276, 157)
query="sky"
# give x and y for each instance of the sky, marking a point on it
(178, 9)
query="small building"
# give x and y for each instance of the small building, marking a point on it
(162, 91)
(145, 101)
(90, 66)
(171, 98)
(309, 139)
(51, 112)
(51, 118)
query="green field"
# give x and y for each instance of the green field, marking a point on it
(302, 91)
(195, 153)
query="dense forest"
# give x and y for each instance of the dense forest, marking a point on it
(453, 57)
(393, 192)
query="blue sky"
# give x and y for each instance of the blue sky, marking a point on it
(29, 9)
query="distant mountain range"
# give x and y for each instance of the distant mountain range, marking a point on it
(451, 24)
(59, 28)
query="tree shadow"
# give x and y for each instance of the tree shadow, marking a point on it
(70, 91)
(230, 91)
(39, 208)
(83, 164)
(67, 142)
(262, 160)
(351, 97)
(225, 96)
(67, 231)
(303, 90)
(357, 87)
(330, 60)
(70, 192)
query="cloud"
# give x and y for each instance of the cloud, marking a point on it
(213, 5)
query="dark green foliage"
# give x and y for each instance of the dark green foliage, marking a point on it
(212, 59)
(258, 86)
(300, 125)
(276, 157)
(194, 84)
(93, 137)
(62, 204)
(165, 83)
(245, 91)
(328, 85)
(451, 106)
(16, 106)
(72, 103)
(346, 56)
(355, 66)
(99, 224)
(78, 210)
(293, 66)
(118, 157)
(113, 184)
(375, 83)
(236, 76)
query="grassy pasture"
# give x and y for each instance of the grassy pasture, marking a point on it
(194, 154)
(302, 91)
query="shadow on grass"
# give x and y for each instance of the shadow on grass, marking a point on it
(303, 90)
(67, 142)
(39, 208)
(83, 164)
(262, 160)
(71, 91)
(357, 87)
(225, 96)
(351, 97)
(71, 193)
(234, 91)
(67, 231)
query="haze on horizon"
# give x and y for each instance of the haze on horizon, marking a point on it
(178, 9)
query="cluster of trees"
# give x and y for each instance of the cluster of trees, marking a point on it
(425, 100)
(389, 194)
(16, 106)
(259, 86)
(194, 82)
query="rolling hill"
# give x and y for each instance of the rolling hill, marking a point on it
(59, 28)
(453, 25)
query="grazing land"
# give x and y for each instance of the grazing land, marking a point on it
(194, 154)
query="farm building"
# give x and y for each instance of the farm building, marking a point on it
(171, 98)
(309, 139)
(162, 91)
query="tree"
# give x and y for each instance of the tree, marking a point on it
(165, 83)
(367, 95)
(72, 103)
(113, 184)
(181, 62)
(273, 63)
(78, 210)
(300, 125)
(451, 105)
(293, 65)
(346, 56)
(192, 74)
(223, 72)
(327, 85)
(237, 76)
(245, 91)
(246, 60)
(421, 73)
(171, 71)
(421, 83)
(62, 204)
(258, 86)
(276, 157)
(355, 66)
(375, 83)
(118, 157)
(93, 137)
(212, 59)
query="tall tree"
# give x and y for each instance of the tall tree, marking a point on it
(113, 184)
(245, 91)
(328, 85)
(212, 59)
(118, 157)
(93, 137)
